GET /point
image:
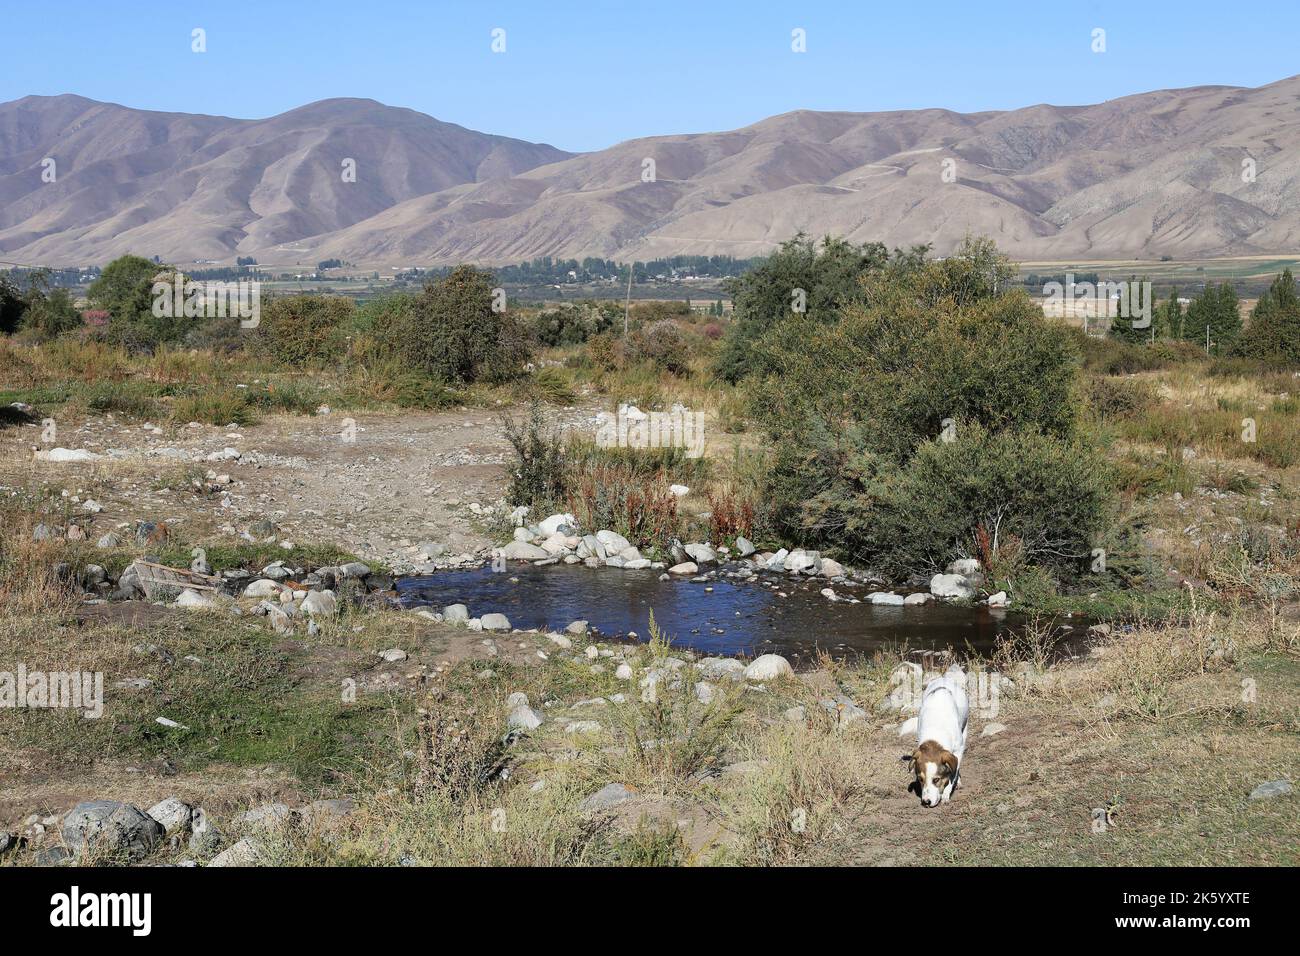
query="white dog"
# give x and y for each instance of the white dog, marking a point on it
(940, 737)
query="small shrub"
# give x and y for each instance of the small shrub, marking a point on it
(214, 406)
(662, 344)
(551, 384)
(616, 497)
(1118, 398)
(539, 474)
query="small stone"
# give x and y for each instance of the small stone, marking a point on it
(607, 796)
(1267, 791)
(393, 655)
(992, 728)
(495, 622)
(244, 853)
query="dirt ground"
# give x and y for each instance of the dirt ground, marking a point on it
(378, 485)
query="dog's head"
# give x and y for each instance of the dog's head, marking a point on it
(933, 768)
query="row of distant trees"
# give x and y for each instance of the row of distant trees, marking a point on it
(1213, 316)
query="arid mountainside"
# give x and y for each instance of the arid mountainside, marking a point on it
(208, 187)
(1205, 171)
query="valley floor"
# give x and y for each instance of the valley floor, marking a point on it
(1167, 731)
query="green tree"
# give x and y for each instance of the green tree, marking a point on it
(801, 278)
(1216, 309)
(125, 289)
(12, 306)
(1274, 330)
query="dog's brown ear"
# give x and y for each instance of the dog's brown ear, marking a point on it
(950, 763)
(912, 758)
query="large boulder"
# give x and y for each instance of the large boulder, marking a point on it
(802, 562)
(768, 667)
(495, 622)
(523, 551)
(110, 828)
(613, 541)
(319, 604)
(951, 586)
(701, 553)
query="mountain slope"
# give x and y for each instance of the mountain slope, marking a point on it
(187, 187)
(1153, 174)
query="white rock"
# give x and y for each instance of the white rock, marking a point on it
(999, 600)
(393, 655)
(523, 551)
(523, 717)
(319, 603)
(951, 586)
(262, 588)
(549, 526)
(686, 567)
(67, 455)
(768, 667)
(623, 672)
(921, 597)
(798, 561)
(243, 853)
(702, 553)
(495, 622)
(886, 597)
(195, 600)
(613, 541)
(831, 569)
(173, 814)
(679, 491)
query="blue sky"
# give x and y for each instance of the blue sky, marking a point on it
(587, 75)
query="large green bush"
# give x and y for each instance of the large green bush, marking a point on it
(452, 331)
(306, 331)
(941, 403)
(572, 323)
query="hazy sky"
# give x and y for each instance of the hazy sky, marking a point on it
(587, 75)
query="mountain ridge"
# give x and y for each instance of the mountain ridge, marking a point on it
(1150, 174)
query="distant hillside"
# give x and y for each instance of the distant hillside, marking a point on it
(1143, 176)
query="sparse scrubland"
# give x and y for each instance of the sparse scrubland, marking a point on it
(909, 413)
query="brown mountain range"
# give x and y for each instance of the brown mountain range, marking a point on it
(1205, 171)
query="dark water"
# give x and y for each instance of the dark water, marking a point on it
(733, 618)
